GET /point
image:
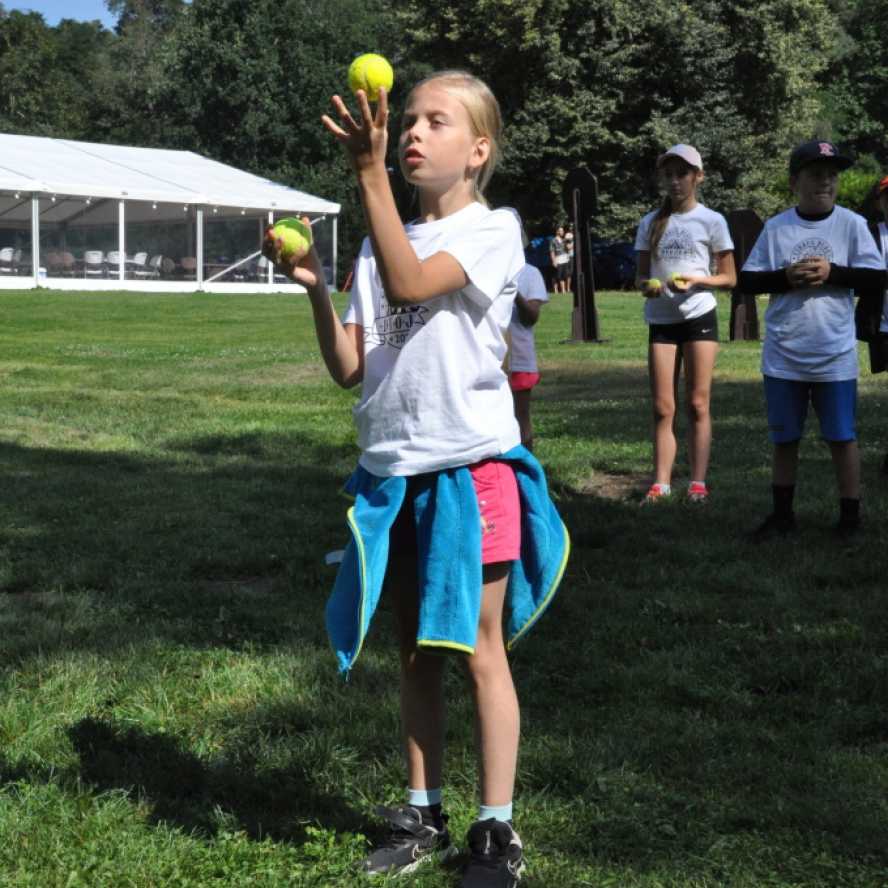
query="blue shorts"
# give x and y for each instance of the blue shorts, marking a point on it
(835, 404)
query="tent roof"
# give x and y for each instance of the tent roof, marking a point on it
(86, 169)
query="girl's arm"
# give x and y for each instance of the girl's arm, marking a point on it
(528, 310)
(342, 345)
(643, 274)
(407, 279)
(725, 277)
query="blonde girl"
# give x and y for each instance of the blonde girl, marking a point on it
(678, 247)
(442, 481)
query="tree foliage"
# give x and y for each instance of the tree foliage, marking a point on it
(602, 83)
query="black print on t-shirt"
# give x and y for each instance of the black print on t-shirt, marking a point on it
(809, 248)
(677, 243)
(394, 325)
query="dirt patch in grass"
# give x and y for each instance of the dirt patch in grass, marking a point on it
(614, 487)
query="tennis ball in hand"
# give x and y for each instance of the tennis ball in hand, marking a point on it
(676, 276)
(369, 72)
(296, 237)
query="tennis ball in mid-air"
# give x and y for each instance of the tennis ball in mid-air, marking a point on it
(369, 72)
(296, 237)
(654, 284)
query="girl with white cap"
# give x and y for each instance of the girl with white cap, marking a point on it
(678, 247)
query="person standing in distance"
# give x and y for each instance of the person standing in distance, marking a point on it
(813, 259)
(677, 246)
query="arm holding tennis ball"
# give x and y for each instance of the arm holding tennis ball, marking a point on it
(650, 287)
(725, 277)
(342, 345)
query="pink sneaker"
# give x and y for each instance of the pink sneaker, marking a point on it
(698, 492)
(657, 493)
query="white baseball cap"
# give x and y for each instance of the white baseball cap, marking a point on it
(688, 153)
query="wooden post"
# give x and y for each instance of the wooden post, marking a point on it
(744, 226)
(580, 196)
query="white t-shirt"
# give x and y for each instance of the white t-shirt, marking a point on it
(522, 350)
(883, 245)
(434, 393)
(809, 333)
(689, 242)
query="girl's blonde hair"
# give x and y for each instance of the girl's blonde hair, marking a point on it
(485, 117)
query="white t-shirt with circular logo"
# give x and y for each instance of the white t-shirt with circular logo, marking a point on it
(688, 245)
(809, 333)
(434, 393)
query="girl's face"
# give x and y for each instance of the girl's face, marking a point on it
(679, 179)
(816, 186)
(559, 232)
(437, 149)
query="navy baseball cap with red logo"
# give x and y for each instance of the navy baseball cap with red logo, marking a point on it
(809, 152)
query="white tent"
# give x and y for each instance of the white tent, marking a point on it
(55, 192)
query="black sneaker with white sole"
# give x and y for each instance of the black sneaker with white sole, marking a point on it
(410, 843)
(496, 858)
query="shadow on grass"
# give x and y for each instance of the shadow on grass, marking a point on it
(98, 549)
(683, 688)
(185, 792)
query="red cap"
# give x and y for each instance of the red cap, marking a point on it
(883, 184)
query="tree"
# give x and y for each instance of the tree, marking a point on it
(610, 84)
(855, 86)
(249, 82)
(46, 74)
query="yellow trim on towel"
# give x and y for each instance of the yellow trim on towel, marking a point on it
(545, 602)
(449, 645)
(362, 560)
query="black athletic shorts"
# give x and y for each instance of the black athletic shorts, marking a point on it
(702, 329)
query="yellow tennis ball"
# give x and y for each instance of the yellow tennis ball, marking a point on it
(369, 72)
(654, 284)
(296, 237)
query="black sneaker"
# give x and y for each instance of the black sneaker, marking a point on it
(847, 529)
(772, 527)
(496, 856)
(411, 842)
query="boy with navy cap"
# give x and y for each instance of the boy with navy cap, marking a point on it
(813, 259)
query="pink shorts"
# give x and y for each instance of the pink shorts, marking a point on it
(500, 507)
(522, 382)
(497, 492)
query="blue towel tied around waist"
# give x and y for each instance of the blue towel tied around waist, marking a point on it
(448, 525)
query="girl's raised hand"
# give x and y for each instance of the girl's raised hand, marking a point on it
(364, 140)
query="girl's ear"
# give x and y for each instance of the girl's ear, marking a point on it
(700, 176)
(480, 153)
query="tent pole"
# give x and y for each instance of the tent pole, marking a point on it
(200, 248)
(121, 239)
(335, 248)
(35, 238)
(270, 266)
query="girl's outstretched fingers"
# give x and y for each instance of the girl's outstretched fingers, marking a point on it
(364, 138)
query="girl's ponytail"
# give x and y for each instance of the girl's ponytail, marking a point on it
(658, 226)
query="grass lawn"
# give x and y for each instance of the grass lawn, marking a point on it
(697, 712)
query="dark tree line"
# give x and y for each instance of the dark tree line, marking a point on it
(604, 83)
